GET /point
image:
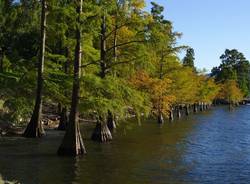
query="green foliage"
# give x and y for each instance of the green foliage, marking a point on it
(234, 66)
(188, 60)
(111, 93)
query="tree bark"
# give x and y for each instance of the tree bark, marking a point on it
(34, 128)
(72, 143)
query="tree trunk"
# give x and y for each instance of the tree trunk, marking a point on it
(34, 128)
(171, 115)
(101, 132)
(64, 112)
(1, 59)
(111, 121)
(72, 143)
(195, 108)
(160, 118)
(59, 108)
(178, 112)
(63, 119)
(201, 107)
(187, 110)
(103, 64)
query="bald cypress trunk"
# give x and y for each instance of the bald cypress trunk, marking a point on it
(178, 112)
(72, 143)
(63, 119)
(64, 113)
(171, 115)
(195, 108)
(187, 110)
(111, 121)
(101, 132)
(160, 118)
(1, 59)
(34, 128)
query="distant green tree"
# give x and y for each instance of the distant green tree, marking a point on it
(189, 58)
(234, 66)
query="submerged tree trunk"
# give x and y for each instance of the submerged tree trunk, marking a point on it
(64, 112)
(178, 112)
(34, 128)
(63, 119)
(195, 108)
(187, 110)
(111, 121)
(72, 143)
(201, 107)
(101, 132)
(171, 115)
(160, 118)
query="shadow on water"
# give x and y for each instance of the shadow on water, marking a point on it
(198, 149)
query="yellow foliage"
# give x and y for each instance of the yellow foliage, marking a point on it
(158, 90)
(231, 92)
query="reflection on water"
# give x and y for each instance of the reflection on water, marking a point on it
(212, 147)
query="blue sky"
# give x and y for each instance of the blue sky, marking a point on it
(210, 26)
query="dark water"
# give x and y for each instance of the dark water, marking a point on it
(212, 147)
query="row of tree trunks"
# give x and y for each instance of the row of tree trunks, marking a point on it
(187, 109)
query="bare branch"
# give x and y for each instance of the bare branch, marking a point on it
(90, 63)
(126, 43)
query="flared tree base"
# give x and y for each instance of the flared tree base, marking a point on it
(101, 133)
(111, 124)
(34, 130)
(63, 120)
(72, 144)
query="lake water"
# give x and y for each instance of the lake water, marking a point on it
(211, 147)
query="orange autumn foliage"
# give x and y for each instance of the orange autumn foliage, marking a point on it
(157, 89)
